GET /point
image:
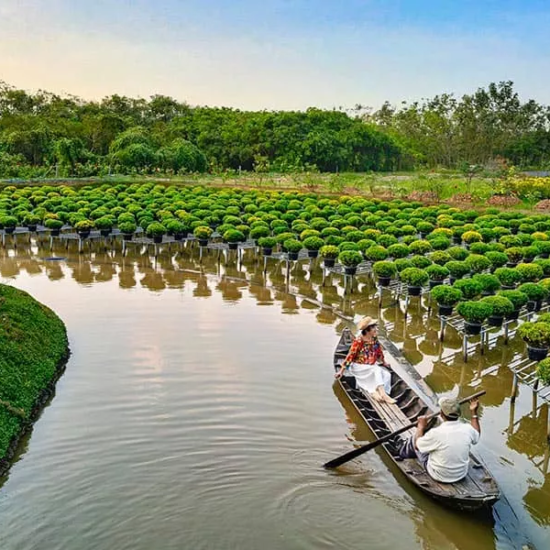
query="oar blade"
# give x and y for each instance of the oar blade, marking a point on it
(338, 461)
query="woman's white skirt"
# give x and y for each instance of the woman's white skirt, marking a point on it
(369, 377)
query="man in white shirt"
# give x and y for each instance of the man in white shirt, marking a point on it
(444, 451)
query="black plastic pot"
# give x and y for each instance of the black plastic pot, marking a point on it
(514, 230)
(55, 232)
(84, 234)
(495, 320)
(457, 240)
(472, 328)
(445, 311)
(350, 269)
(233, 246)
(544, 255)
(488, 293)
(452, 280)
(293, 256)
(127, 236)
(31, 227)
(513, 316)
(531, 305)
(384, 281)
(267, 251)
(433, 284)
(536, 354)
(527, 260)
(414, 290)
(203, 242)
(178, 236)
(511, 264)
(329, 262)
(157, 239)
(423, 235)
(9, 230)
(105, 232)
(312, 253)
(508, 287)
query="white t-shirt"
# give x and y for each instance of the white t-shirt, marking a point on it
(448, 446)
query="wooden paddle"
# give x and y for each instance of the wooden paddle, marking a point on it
(335, 462)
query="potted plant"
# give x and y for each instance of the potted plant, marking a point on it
(105, 225)
(497, 259)
(350, 259)
(537, 337)
(329, 253)
(259, 231)
(376, 253)
(529, 253)
(424, 228)
(313, 245)
(420, 247)
(156, 231)
(489, 283)
(437, 274)
(293, 247)
(127, 228)
(470, 289)
(515, 255)
(535, 294)
(83, 228)
(457, 269)
(458, 253)
(54, 226)
(530, 272)
(440, 257)
(470, 237)
(175, 228)
(202, 233)
(267, 244)
(233, 237)
(518, 300)
(32, 221)
(415, 278)
(508, 277)
(9, 223)
(446, 298)
(474, 314)
(501, 307)
(543, 247)
(477, 263)
(384, 271)
(543, 371)
(398, 250)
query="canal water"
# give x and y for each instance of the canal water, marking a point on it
(198, 407)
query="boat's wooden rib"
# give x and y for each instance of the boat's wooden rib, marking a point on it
(477, 490)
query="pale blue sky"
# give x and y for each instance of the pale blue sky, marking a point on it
(275, 54)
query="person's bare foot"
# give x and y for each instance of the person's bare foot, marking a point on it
(376, 396)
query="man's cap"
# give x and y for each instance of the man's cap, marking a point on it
(449, 407)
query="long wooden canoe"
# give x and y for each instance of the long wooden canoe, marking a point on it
(477, 490)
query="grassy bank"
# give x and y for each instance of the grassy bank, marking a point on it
(33, 349)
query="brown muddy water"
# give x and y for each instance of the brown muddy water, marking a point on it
(198, 406)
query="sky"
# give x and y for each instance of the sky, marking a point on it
(275, 54)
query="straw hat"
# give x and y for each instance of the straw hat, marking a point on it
(450, 408)
(366, 322)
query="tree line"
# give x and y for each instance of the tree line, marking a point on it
(44, 134)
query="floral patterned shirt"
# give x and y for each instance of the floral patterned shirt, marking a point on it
(363, 352)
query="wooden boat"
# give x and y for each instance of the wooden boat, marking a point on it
(477, 490)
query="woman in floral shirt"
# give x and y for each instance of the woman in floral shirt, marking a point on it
(364, 354)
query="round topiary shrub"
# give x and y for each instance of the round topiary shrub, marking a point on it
(313, 243)
(376, 253)
(489, 283)
(437, 273)
(470, 289)
(515, 254)
(537, 337)
(470, 237)
(479, 248)
(350, 259)
(530, 272)
(402, 263)
(501, 307)
(474, 314)
(458, 253)
(477, 263)
(415, 278)
(421, 262)
(202, 233)
(259, 231)
(508, 277)
(446, 298)
(497, 259)
(384, 271)
(398, 251)
(517, 298)
(457, 269)
(534, 292)
(420, 247)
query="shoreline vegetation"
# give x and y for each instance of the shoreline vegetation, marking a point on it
(33, 353)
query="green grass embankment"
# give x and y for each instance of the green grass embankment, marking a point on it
(33, 352)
